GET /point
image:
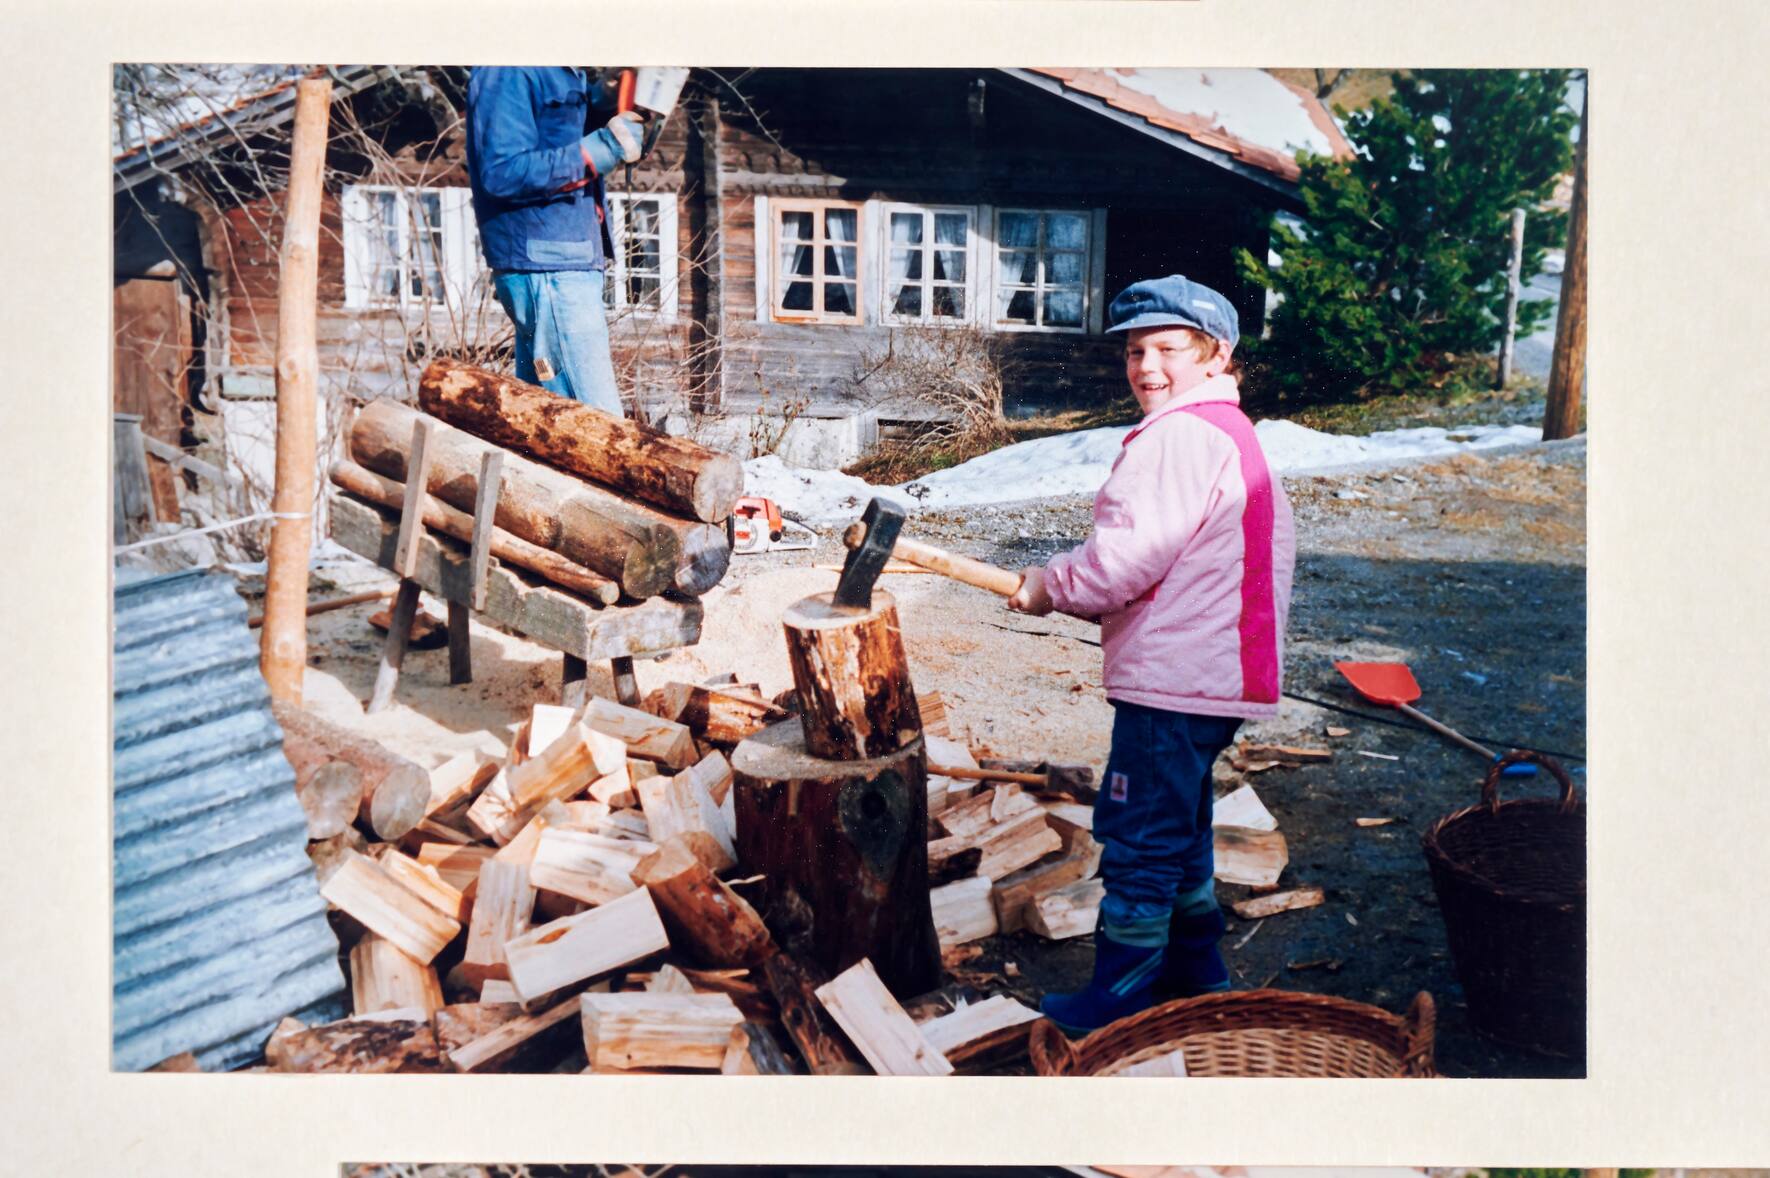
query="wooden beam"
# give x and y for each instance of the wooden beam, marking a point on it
(411, 515)
(587, 867)
(814, 1034)
(1260, 907)
(283, 646)
(485, 509)
(499, 1044)
(952, 1033)
(645, 735)
(519, 601)
(1070, 911)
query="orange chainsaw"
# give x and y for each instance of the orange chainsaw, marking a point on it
(758, 526)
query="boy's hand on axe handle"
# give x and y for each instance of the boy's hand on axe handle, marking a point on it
(1031, 597)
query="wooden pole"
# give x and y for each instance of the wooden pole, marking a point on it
(1514, 272)
(1567, 371)
(283, 651)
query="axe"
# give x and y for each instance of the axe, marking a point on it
(875, 540)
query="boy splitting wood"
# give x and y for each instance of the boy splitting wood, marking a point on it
(1189, 571)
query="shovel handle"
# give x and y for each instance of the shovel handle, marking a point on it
(1442, 730)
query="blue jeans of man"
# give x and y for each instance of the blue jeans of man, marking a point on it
(561, 333)
(1153, 818)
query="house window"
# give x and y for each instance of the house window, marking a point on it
(408, 247)
(1041, 269)
(642, 274)
(817, 261)
(927, 275)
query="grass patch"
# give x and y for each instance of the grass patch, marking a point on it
(1519, 403)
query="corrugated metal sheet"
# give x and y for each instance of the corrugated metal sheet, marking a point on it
(217, 925)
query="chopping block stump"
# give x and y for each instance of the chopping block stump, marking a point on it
(843, 845)
(852, 678)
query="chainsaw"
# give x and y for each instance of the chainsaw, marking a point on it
(758, 526)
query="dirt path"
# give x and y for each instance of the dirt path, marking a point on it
(1471, 570)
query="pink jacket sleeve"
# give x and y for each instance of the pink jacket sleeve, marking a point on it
(1152, 503)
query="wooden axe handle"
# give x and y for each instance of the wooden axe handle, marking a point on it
(962, 773)
(947, 564)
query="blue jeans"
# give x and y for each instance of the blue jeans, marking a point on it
(1153, 817)
(561, 333)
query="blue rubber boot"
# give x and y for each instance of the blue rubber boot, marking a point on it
(1123, 983)
(1194, 964)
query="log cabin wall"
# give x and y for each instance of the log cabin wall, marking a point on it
(372, 352)
(929, 137)
(963, 138)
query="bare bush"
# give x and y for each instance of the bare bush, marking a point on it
(948, 382)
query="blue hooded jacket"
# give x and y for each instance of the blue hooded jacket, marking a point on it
(538, 201)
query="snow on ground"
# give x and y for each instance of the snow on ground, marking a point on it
(1077, 463)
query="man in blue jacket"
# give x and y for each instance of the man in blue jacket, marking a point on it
(540, 199)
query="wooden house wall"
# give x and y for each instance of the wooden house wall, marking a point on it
(919, 136)
(936, 137)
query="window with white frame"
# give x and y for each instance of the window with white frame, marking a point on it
(642, 274)
(408, 247)
(928, 264)
(1041, 269)
(817, 261)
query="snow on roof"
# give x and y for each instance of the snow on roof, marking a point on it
(1248, 114)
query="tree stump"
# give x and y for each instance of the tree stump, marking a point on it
(853, 680)
(842, 846)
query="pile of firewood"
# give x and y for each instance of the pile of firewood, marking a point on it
(604, 506)
(585, 890)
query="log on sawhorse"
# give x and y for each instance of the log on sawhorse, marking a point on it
(514, 599)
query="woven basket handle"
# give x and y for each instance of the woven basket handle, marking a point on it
(1051, 1051)
(1490, 786)
(1422, 1034)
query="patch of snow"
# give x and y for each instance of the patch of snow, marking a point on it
(813, 495)
(1077, 463)
(1250, 104)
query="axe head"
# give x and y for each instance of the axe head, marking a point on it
(881, 522)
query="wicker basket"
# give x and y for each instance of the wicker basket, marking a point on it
(1252, 1033)
(1511, 882)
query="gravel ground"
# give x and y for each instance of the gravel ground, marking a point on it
(1472, 571)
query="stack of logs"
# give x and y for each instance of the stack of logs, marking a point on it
(601, 505)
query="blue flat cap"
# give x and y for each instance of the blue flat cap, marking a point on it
(1175, 301)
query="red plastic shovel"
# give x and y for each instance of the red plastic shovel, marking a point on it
(1392, 685)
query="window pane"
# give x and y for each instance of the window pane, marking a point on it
(798, 297)
(906, 227)
(1068, 231)
(949, 302)
(642, 217)
(646, 256)
(642, 289)
(949, 265)
(1014, 306)
(795, 259)
(905, 265)
(796, 226)
(839, 261)
(839, 298)
(839, 224)
(1019, 229)
(1064, 268)
(1063, 308)
(908, 301)
(949, 228)
(1020, 267)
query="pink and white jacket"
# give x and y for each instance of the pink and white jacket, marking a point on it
(1190, 562)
